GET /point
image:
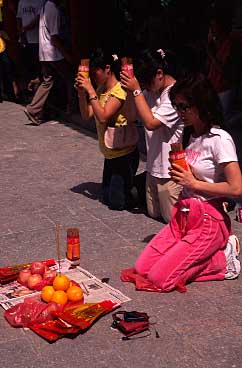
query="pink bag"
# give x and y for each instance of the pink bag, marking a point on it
(121, 137)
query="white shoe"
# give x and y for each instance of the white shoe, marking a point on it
(231, 252)
(235, 243)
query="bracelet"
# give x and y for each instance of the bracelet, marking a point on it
(92, 98)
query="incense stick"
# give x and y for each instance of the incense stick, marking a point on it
(85, 288)
(57, 239)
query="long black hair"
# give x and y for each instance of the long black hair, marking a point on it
(99, 58)
(149, 61)
(198, 92)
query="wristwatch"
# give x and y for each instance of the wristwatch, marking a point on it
(137, 92)
(93, 98)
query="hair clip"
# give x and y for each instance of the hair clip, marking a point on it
(162, 53)
(115, 57)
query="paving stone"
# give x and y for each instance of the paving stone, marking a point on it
(51, 174)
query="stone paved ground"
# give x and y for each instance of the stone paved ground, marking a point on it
(51, 174)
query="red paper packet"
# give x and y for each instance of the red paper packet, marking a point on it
(54, 330)
(73, 320)
(84, 315)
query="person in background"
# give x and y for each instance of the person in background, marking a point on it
(162, 125)
(53, 59)
(196, 245)
(28, 28)
(107, 104)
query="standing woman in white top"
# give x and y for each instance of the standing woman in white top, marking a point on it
(196, 245)
(162, 125)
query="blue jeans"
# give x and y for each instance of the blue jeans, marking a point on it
(118, 180)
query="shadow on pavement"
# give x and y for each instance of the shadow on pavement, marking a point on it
(89, 189)
(148, 238)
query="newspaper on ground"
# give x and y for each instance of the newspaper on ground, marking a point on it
(94, 290)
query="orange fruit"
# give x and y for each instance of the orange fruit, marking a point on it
(47, 293)
(61, 282)
(74, 293)
(59, 297)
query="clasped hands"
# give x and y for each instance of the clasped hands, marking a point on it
(83, 84)
(182, 176)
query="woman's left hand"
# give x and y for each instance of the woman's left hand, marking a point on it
(182, 176)
(128, 82)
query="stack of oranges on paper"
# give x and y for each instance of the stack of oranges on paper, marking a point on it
(62, 291)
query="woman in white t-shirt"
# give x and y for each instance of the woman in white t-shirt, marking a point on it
(162, 125)
(196, 245)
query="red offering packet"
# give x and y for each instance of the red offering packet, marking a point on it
(54, 330)
(10, 273)
(84, 315)
(73, 320)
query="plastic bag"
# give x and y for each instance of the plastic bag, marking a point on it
(11, 273)
(31, 312)
(45, 282)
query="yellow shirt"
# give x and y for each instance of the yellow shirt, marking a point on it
(117, 120)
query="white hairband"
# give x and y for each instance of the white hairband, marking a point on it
(162, 53)
(115, 57)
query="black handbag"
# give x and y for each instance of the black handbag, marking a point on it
(130, 323)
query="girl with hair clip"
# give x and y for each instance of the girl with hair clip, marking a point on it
(109, 107)
(196, 245)
(162, 125)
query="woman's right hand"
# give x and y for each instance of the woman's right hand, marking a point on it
(128, 82)
(182, 176)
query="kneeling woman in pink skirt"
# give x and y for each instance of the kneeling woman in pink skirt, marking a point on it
(196, 245)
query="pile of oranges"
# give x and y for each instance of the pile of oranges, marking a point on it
(62, 291)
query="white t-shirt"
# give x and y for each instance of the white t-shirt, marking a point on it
(28, 11)
(158, 141)
(49, 26)
(205, 153)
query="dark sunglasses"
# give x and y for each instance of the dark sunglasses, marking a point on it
(181, 107)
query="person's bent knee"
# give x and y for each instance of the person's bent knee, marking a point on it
(140, 266)
(163, 282)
